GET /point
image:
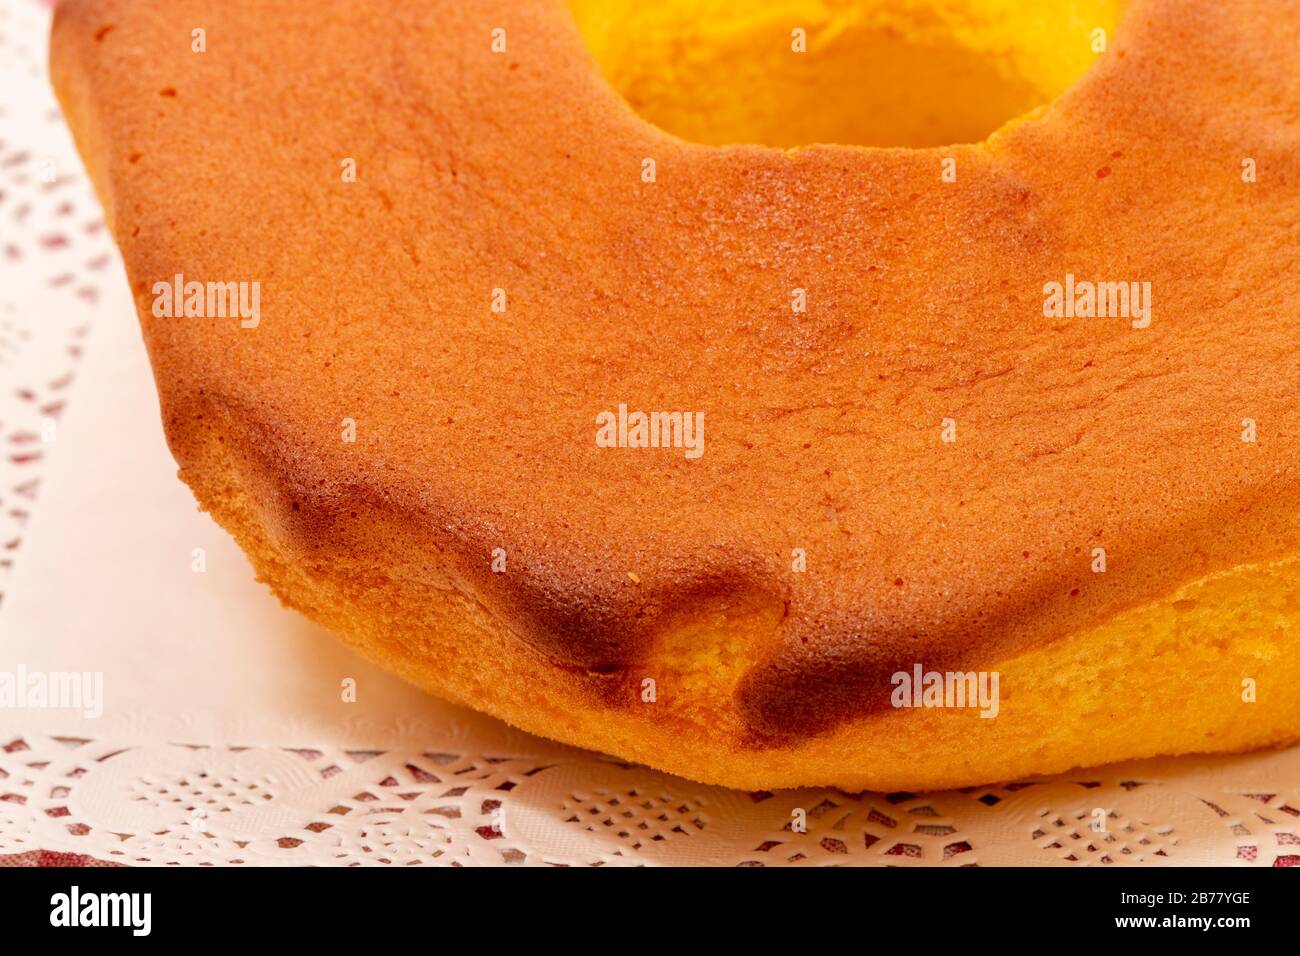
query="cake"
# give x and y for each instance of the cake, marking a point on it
(544, 356)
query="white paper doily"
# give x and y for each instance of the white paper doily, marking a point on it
(224, 743)
(233, 805)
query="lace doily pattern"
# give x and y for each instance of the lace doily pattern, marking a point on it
(54, 253)
(241, 806)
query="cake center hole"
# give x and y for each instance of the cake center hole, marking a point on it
(869, 72)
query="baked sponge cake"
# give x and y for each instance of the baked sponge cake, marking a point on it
(892, 466)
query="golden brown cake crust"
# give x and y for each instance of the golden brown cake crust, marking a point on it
(475, 430)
